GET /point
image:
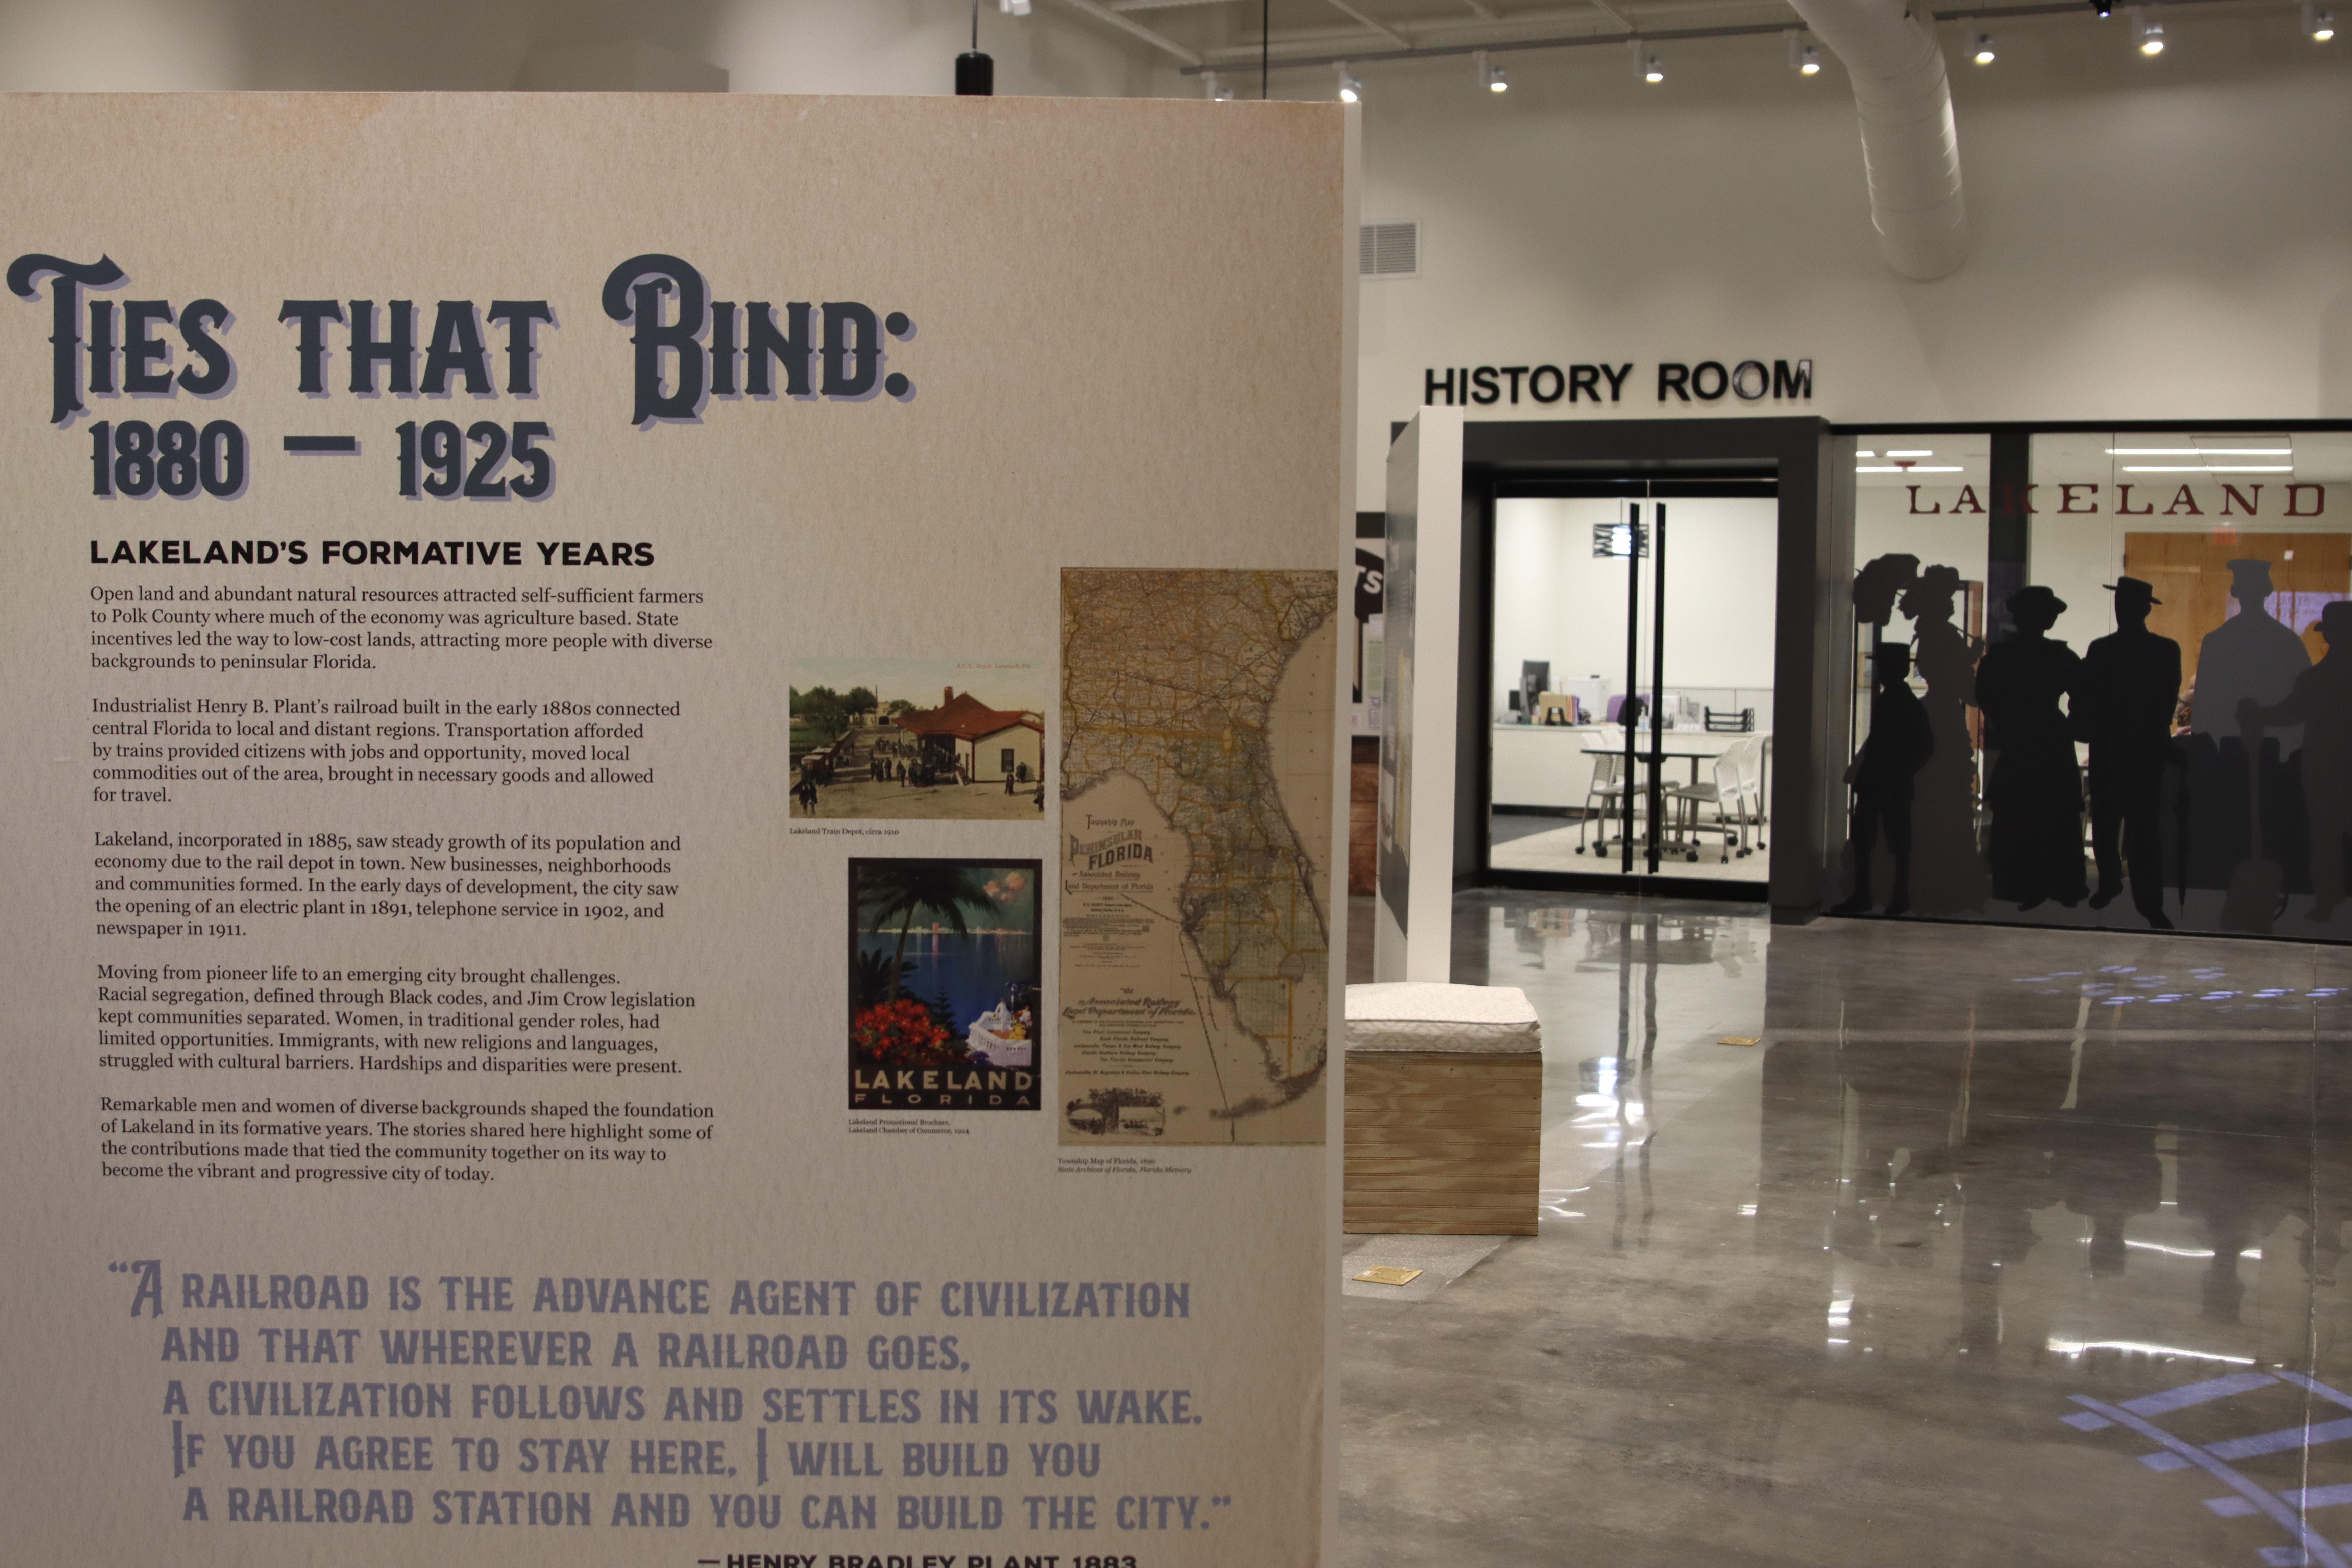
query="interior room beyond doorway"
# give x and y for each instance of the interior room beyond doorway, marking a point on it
(1558, 687)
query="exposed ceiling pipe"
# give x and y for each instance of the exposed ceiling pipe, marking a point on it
(1390, 34)
(1910, 146)
(1102, 13)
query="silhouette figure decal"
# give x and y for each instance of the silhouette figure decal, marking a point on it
(2251, 654)
(1900, 744)
(2320, 704)
(1946, 876)
(2123, 705)
(2231, 792)
(2035, 791)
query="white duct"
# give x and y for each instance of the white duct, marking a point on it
(1910, 145)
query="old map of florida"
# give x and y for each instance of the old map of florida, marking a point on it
(1196, 831)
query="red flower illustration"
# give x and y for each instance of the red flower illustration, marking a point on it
(903, 1034)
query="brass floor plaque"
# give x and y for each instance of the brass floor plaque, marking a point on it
(1739, 1040)
(1388, 1275)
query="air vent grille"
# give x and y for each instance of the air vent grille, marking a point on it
(1389, 250)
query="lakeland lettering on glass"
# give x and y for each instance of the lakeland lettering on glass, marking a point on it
(2080, 497)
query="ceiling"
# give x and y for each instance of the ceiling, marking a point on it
(1225, 35)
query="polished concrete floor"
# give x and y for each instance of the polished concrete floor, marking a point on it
(2002, 1247)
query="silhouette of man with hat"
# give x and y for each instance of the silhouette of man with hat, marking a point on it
(2320, 702)
(2249, 655)
(2123, 705)
(2035, 791)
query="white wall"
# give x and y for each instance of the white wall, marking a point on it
(2154, 238)
(764, 46)
(909, 46)
(1555, 600)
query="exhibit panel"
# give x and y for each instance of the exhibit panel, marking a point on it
(613, 767)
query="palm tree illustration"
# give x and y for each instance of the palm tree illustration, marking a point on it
(903, 890)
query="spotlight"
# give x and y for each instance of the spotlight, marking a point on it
(1492, 77)
(1981, 49)
(1350, 89)
(2105, 8)
(1804, 58)
(2320, 25)
(2151, 38)
(1217, 88)
(1653, 71)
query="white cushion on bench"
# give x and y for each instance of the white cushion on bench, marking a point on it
(1423, 1015)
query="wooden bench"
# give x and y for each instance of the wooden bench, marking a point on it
(1444, 1111)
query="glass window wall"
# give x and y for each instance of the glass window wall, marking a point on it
(2098, 679)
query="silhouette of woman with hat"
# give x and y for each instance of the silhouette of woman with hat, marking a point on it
(1947, 874)
(2035, 790)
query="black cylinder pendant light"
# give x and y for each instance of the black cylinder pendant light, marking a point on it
(975, 72)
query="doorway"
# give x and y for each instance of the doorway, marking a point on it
(1777, 488)
(1631, 703)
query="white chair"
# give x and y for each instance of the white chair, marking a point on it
(1754, 781)
(1725, 793)
(1607, 788)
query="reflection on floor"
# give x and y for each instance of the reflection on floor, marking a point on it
(1530, 843)
(1965, 1263)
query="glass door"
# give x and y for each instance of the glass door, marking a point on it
(1630, 691)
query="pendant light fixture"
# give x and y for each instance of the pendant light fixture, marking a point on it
(975, 73)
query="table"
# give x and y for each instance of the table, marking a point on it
(1544, 767)
(1676, 748)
